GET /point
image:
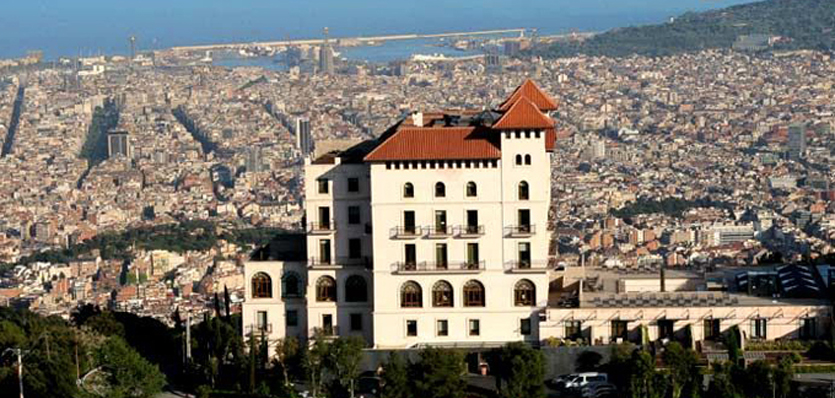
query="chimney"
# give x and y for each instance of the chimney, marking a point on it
(417, 119)
(663, 278)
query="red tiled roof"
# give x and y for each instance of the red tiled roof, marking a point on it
(530, 90)
(437, 143)
(524, 115)
(550, 139)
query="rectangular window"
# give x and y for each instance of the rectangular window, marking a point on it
(354, 248)
(443, 327)
(525, 326)
(353, 184)
(410, 255)
(261, 320)
(712, 329)
(441, 256)
(411, 328)
(524, 255)
(475, 327)
(440, 222)
(324, 218)
(325, 251)
(356, 322)
(409, 222)
(353, 214)
(292, 318)
(472, 221)
(758, 328)
(666, 329)
(809, 328)
(620, 330)
(573, 330)
(323, 185)
(524, 221)
(472, 254)
(327, 324)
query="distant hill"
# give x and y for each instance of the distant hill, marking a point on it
(806, 24)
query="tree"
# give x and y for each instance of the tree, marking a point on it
(343, 362)
(286, 352)
(721, 385)
(314, 362)
(588, 361)
(130, 375)
(519, 370)
(439, 374)
(732, 341)
(395, 378)
(756, 380)
(619, 361)
(642, 380)
(782, 377)
(684, 371)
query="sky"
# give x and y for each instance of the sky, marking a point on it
(70, 27)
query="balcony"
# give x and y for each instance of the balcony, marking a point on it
(521, 266)
(322, 227)
(438, 232)
(320, 262)
(364, 261)
(407, 232)
(327, 331)
(520, 231)
(260, 329)
(438, 267)
(469, 231)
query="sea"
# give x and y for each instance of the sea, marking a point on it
(71, 28)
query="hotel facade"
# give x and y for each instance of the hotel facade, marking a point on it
(436, 233)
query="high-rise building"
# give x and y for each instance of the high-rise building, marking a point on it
(796, 148)
(512, 47)
(118, 144)
(304, 139)
(326, 56)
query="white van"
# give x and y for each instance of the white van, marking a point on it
(580, 380)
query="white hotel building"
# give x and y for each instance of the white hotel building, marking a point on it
(436, 234)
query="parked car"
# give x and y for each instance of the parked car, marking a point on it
(559, 381)
(580, 380)
(598, 389)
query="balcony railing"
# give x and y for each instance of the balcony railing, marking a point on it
(407, 232)
(527, 266)
(320, 262)
(322, 227)
(257, 329)
(469, 231)
(434, 266)
(436, 231)
(328, 331)
(364, 261)
(514, 231)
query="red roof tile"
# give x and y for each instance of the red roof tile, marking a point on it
(530, 90)
(437, 143)
(524, 115)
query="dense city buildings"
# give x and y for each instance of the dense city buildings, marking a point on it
(710, 165)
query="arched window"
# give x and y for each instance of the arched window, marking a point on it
(524, 193)
(262, 286)
(473, 294)
(518, 160)
(472, 190)
(442, 294)
(528, 160)
(411, 295)
(408, 190)
(524, 294)
(291, 285)
(356, 290)
(440, 190)
(326, 289)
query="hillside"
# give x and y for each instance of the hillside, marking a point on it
(806, 24)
